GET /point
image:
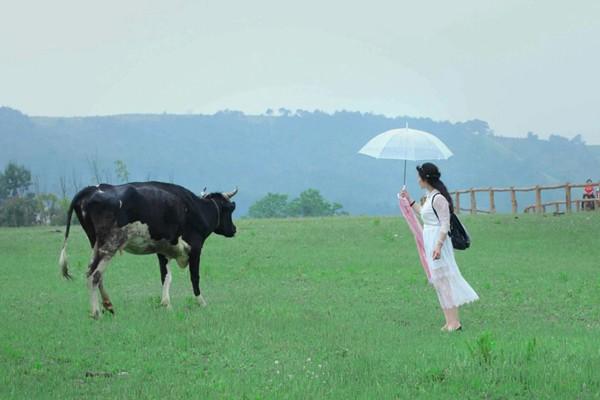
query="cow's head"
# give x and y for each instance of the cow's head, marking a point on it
(225, 208)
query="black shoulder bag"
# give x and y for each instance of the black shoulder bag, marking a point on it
(458, 234)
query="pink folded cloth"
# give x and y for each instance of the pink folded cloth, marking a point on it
(417, 230)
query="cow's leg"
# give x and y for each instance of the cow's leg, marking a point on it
(105, 299)
(104, 251)
(92, 268)
(97, 267)
(94, 283)
(165, 278)
(195, 275)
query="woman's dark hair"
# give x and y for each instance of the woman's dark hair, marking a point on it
(430, 173)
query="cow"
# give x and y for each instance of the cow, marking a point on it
(147, 218)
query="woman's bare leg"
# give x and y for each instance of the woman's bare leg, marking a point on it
(447, 317)
(452, 319)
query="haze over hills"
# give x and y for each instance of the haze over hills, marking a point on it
(282, 152)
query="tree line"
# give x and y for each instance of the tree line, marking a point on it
(22, 206)
(19, 206)
(310, 203)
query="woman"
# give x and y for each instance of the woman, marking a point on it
(588, 194)
(452, 289)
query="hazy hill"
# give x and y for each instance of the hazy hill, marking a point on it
(283, 152)
(596, 150)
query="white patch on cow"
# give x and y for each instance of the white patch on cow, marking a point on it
(182, 250)
(200, 300)
(138, 238)
(120, 204)
(139, 241)
(166, 299)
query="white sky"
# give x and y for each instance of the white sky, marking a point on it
(520, 65)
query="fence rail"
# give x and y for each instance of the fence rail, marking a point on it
(538, 207)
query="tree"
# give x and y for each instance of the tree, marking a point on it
(532, 136)
(578, 139)
(121, 171)
(14, 181)
(310, 203)
(19, 211)
(273, 205)
(94, 165)
(50, 209)
(285, 112)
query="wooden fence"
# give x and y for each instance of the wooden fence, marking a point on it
(538, 207)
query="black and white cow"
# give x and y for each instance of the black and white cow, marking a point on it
(147, 218)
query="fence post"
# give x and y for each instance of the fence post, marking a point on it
(492, 202)
(513, 199)
(568, 197)
(578, 205)
(473, 202)
(538, 199)
(457, 203)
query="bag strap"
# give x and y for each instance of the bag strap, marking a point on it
(433, 208)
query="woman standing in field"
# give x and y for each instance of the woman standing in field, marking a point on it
(452, 289)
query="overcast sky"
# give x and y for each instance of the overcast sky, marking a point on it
(520, 65)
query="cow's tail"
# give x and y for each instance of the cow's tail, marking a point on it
(62, 261)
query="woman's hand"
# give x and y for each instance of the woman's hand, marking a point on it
(437, 252)
(404, 194)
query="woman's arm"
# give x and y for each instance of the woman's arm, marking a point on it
(416, 205)
(443, 211)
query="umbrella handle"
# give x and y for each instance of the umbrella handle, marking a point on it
(398, 194)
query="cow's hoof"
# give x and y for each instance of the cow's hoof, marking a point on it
(201, 300)
(166, 303)
(108, 307)
(95, 314)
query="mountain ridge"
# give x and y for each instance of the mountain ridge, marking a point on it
(284, 153)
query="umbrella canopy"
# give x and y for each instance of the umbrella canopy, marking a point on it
(406, 144)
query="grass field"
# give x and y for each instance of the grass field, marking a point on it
(310, 309)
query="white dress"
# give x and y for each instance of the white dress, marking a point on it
(452, 289)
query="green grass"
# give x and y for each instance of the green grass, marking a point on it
(308, 309)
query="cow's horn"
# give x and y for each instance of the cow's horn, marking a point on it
(229, 195)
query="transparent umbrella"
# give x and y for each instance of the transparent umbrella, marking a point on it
(406, 144)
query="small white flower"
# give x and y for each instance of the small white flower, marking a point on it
(276, 362)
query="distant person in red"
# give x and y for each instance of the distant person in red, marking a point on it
(588, 193)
